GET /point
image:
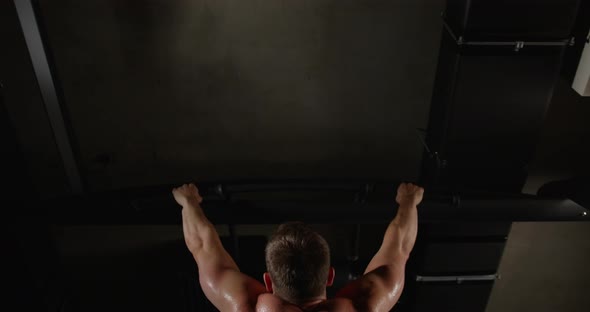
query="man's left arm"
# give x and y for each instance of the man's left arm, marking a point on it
(220, 278)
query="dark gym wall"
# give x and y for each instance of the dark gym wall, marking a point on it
(165, 91)
(562, 150)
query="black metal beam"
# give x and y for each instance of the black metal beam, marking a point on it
(47, 87)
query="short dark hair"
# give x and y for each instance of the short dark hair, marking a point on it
(298, 261)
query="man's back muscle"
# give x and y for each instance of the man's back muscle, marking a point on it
(271, 303)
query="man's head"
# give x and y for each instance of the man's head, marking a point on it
(298, 263)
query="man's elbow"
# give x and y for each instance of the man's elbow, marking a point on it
(397, 255)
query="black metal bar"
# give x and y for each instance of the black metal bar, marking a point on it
(451, 32)
(292, 186)
(353, 256)
(435, 239)
(513, 43)
(155, 205)
(235, 239)
(164, 210)
(45, 79)
(518, 44)
(457, 278)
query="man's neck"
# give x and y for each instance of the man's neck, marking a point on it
(311, 302)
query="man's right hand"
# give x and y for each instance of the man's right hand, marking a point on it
(409, 194)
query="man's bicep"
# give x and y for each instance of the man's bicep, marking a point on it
(377, 290)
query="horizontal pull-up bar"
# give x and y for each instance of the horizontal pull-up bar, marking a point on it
(332, 203)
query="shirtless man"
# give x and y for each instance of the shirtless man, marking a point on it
(298, 265)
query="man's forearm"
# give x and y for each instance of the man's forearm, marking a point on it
(398, 239)
(402, 231)
(199, 232)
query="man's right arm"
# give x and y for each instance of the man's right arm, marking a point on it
(382, 284)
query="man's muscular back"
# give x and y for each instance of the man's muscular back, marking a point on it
(230, 290)
(271, 303)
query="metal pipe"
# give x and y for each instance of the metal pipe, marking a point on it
(30, 28)
(517, 44)
(456, 278)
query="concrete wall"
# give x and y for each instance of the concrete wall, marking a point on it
(545, 267)
(167, 91)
